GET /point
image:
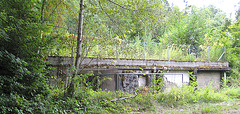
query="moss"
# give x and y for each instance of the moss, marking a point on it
(152, 66)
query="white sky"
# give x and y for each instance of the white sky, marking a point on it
(228, 6)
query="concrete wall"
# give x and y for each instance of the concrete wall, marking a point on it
(109, 83)
(142, 81)
(176, 80)
(204, 78)
(212, 71)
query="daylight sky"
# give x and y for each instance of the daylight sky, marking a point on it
(228, 6)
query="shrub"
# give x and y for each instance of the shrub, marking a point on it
(208, 94)
(19, 83)
(232, 92)
(188, 94)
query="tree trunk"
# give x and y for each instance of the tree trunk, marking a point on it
(79, 38)
(41, 18)
(42, 10)
(71, 88)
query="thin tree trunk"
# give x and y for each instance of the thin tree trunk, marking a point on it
(42, 10)
(79, 38)
(71, 88)
(42, 14)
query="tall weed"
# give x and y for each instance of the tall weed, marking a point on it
(209, 94)
(232, 92)
(188, 94)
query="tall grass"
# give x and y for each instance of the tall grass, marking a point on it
(87, 100)
(177, 96)
(135, 49)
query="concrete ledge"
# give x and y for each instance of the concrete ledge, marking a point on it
(145, 64)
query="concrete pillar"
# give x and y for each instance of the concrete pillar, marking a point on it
(117, 82)
(225, 79)
(195, 72)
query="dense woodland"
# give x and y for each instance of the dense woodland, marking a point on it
(31, 30)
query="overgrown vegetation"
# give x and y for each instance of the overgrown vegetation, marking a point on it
(87, 100)
(30, 30)
(95, 47)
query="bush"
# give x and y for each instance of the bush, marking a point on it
(188, 94)
(18, 84)
(232, 92)
(209, 94)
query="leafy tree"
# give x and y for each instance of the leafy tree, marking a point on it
(22, 69)
(233, 45)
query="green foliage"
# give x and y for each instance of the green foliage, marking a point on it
(210, 109)
(233, 53)
(18, 84)
(190, 94)
(157, 84)
(64, 45)
(191, 28)
(175, 97)
(20, 21)
(209, 94)
(87, 100)
(137, 29)
(232, 92)
(22, 68)
(59, 44)
(17, 78)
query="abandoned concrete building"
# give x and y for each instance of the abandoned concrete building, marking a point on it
(128, 74)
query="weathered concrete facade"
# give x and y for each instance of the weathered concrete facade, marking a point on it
(179, 80)
(205, 78)
(176, 72)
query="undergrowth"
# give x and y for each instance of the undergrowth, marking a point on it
(63, 45)
(182, 96)
(88, 100)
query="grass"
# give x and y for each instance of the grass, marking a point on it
(202, 108)
(203, 101)
(113, 48)
(173, 101)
